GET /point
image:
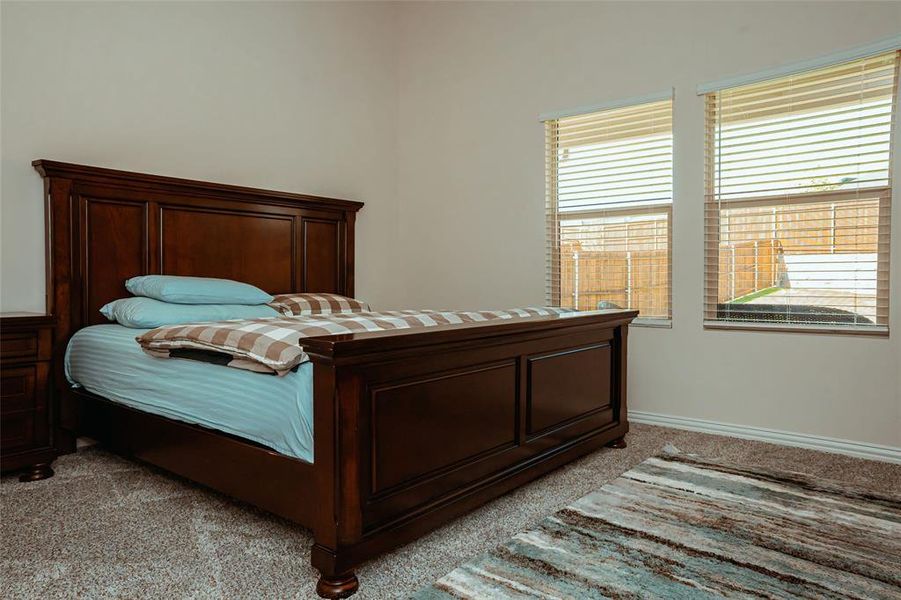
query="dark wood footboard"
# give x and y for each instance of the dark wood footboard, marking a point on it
(414, 428)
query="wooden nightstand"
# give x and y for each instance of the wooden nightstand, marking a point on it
(26, 407)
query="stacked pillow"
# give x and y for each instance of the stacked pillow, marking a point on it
(170, 300)
(196, 290)
(302, 305)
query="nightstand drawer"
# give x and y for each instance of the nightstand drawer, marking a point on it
(19, 345)
(18, 430)
(17, 389)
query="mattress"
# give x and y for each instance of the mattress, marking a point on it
(276, 412)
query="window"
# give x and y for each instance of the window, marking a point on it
(609, 209)
(798, 199)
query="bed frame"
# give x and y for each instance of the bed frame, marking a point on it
(411, 428)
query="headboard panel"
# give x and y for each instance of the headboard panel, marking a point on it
(104, 226)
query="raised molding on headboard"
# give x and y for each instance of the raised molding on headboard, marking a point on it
(105, 225)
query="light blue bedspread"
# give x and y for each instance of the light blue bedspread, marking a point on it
(274, 411)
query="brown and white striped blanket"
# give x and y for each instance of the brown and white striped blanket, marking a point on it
(274, 344)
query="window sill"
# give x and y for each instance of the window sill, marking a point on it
(877, 331)
(653, 323)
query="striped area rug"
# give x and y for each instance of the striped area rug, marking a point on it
(677, 526)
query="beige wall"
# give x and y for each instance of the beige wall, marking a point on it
(473, 78)
(428, 113)
(289, 96)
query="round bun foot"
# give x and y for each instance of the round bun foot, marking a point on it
(617, 443)
(37, 472)
(339, 586)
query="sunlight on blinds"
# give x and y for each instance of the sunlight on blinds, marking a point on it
(798, 198)
(609, 207)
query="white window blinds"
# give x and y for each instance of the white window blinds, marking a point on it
(609, 209)
(798, 199)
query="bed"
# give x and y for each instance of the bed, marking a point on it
(410, 428)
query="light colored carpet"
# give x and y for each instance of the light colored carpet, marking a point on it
(104, 527)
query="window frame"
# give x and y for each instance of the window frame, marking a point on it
(713, 207)
(554, 216)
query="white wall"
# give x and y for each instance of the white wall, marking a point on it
(428, 113)
(473, 78)
(288, 96)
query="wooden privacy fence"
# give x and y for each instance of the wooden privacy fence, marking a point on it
(634, 279)
(624, 263)
(747, 267)
(846, 227)
(639, 279)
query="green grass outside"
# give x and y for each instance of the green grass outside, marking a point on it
(759, 293)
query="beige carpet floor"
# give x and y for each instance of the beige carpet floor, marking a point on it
(105, 527)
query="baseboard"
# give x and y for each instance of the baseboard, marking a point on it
(786, 438)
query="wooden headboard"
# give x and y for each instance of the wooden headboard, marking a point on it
(104, 226)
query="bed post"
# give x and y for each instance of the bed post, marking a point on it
(338, 518)
(622, 337)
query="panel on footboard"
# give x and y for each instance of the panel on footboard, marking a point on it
(425, 426)
(569, 391)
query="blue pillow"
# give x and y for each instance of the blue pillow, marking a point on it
(196, 290)
(147, 313)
